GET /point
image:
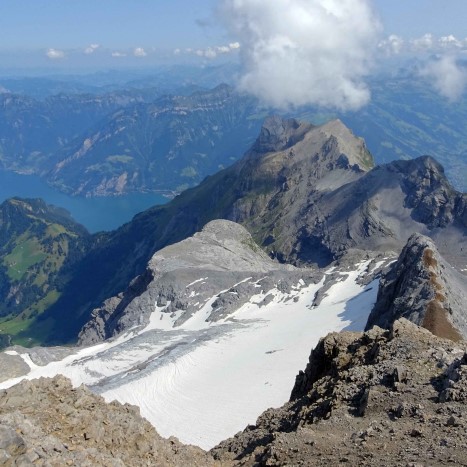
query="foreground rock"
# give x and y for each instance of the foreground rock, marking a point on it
(424, 288)
(385, 397)
(47, 422)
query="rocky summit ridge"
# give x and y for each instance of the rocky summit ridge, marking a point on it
(384, 397)
(48, 422)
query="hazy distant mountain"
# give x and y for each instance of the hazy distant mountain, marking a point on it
(164, 131)
(33, 131)
(167, 145)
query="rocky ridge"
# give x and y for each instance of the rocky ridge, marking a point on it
(48, 422)
(424, 288)
(384, 397)
(221, 261)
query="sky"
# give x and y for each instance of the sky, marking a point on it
(32, 27)
(326, 45)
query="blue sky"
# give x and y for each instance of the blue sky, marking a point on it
(37, 32)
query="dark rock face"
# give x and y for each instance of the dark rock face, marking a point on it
(422, 287)
(384, 397)
(275, 135)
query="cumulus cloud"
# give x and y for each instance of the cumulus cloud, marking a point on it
(393, 45)
(55, 54)
(449, 42)
(212, 52)
(423, 43)
(118, 54)
(298, 52)
(448, 77)
(91, 49)
(139, 52)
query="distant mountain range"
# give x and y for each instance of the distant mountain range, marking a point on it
(168, 145)
(134, 136)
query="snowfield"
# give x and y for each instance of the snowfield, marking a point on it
(203, 382)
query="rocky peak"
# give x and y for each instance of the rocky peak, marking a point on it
(278, 134)
(422, 287)
(222, 262)
(352, 147)
(383, 397)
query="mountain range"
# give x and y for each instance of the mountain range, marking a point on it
(233, 281)
(154, 134)
(308, 195)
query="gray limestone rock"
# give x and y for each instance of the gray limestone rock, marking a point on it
(37, 427)
(221, 263)
(424, 288)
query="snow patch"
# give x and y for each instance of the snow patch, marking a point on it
(203, 382)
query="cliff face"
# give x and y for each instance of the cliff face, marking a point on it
(422, 287)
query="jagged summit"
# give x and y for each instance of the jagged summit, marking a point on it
(294, 141)
(422, 287)
(278, 134)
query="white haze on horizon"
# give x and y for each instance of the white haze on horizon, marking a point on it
(302, 52)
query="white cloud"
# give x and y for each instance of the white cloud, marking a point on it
(118, 54)
(450, 41)
(429, 43)
(55, 54)
(423, 43)
(212, 52)
(448, 77)
(177, 52)
(393, 45)
(298, 52)
(139, 52)
(91, 49)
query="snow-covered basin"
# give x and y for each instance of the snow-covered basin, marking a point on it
(205, 382)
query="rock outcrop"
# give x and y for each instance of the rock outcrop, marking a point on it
(47, 422)
(384, 397)
(221, 261)
(424, 288)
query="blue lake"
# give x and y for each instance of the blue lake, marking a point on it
(94, 213)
